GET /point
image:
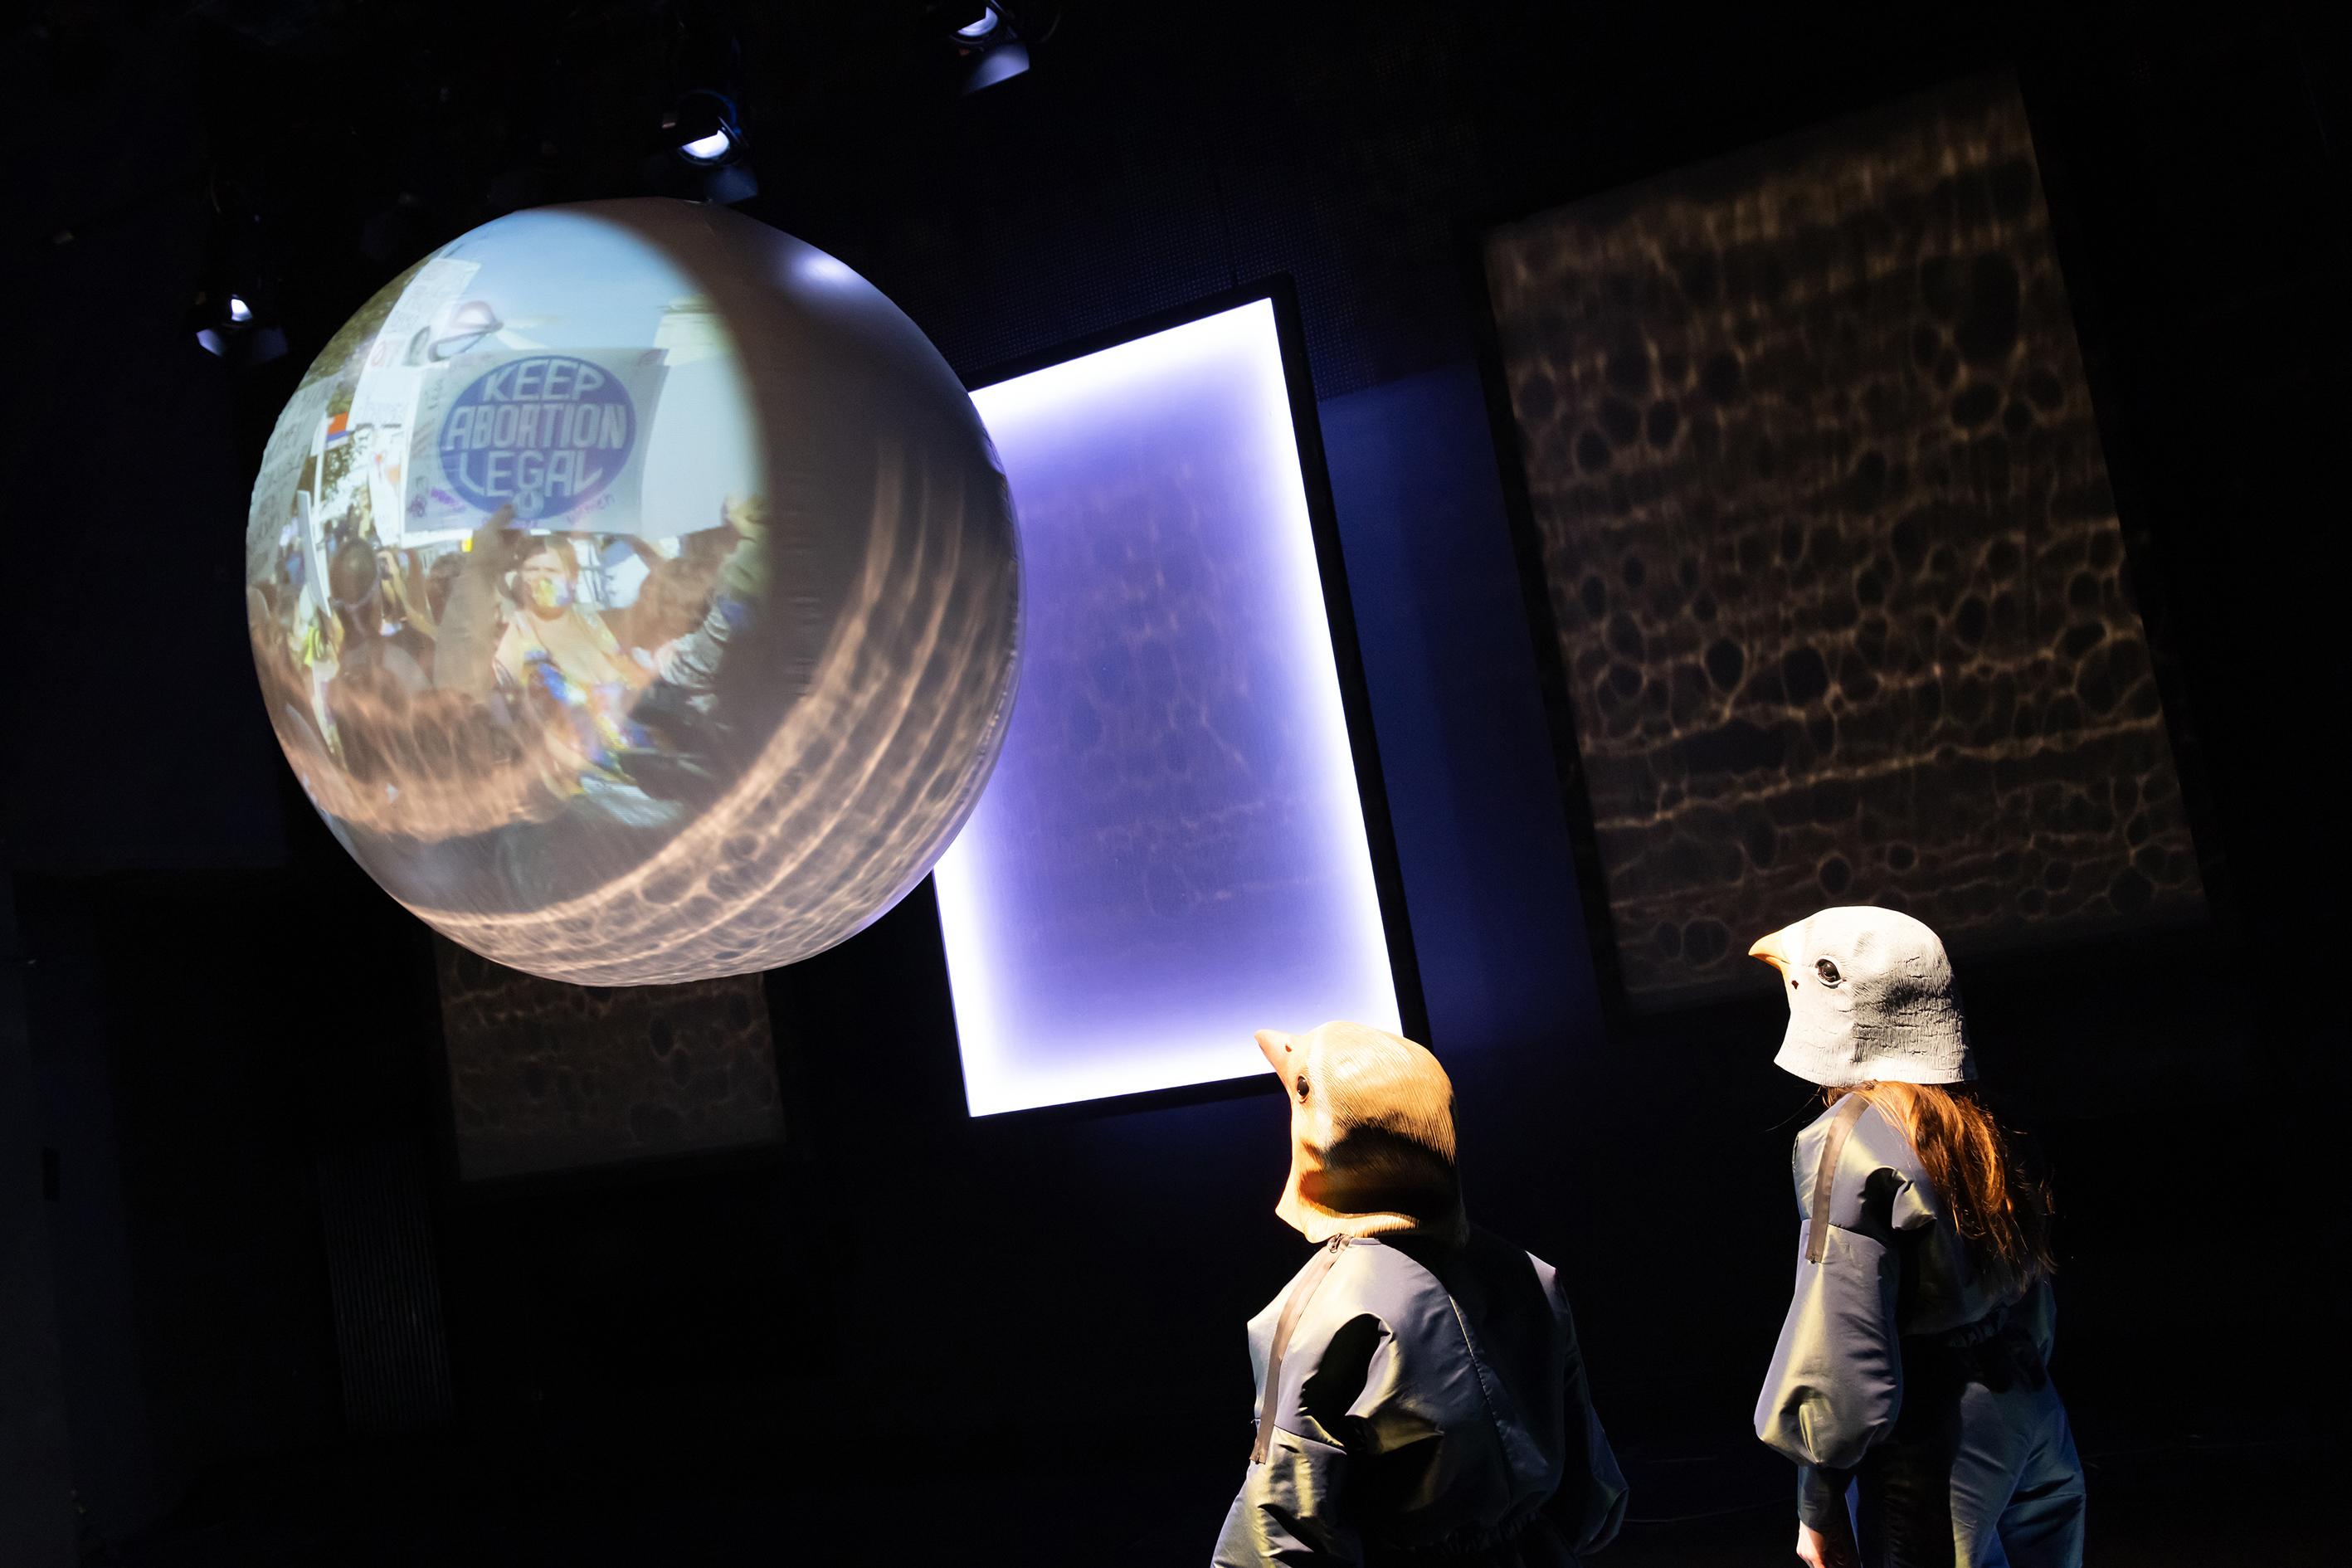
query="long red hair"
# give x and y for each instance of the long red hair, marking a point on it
(2001, 1210)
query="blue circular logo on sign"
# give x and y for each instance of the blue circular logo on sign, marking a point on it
(544, 434)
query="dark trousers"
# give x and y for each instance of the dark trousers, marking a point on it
(1973, 1475)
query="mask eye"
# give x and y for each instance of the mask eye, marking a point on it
(1827, 971)
(1302, 1092)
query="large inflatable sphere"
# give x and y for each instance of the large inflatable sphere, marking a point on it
(635, 593)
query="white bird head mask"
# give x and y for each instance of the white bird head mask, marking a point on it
(1871, 998)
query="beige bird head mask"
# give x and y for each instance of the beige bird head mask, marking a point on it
(1371, 1134)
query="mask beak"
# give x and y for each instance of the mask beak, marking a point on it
(1769, 950)
(1276, 1047)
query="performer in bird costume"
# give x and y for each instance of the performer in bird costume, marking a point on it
(1420, 1393)
(1911, 1381)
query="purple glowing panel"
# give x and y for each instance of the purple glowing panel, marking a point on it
(1172, 853)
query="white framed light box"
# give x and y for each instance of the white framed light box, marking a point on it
(1186, 839)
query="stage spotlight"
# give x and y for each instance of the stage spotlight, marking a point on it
(995, 44)
(233, 311)
(704, 156)
(703, 128)
(227, 327)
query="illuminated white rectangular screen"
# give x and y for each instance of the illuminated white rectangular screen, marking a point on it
(1172, 853)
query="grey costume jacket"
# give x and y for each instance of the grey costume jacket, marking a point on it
(1904, 1364)
(1430, 1402)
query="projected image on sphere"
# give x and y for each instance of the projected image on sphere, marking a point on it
(634, 593)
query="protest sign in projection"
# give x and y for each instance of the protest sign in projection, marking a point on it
(560, 438)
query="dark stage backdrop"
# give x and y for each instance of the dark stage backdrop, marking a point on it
(1830, 550)
(699, 1359)
(545, 1076)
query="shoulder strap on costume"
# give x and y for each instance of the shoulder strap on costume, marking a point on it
(1292, 1307)
(1817, 1229)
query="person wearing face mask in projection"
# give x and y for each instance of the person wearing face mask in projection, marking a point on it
(1911, 1382)
(1421, 1393)
(559, 649)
